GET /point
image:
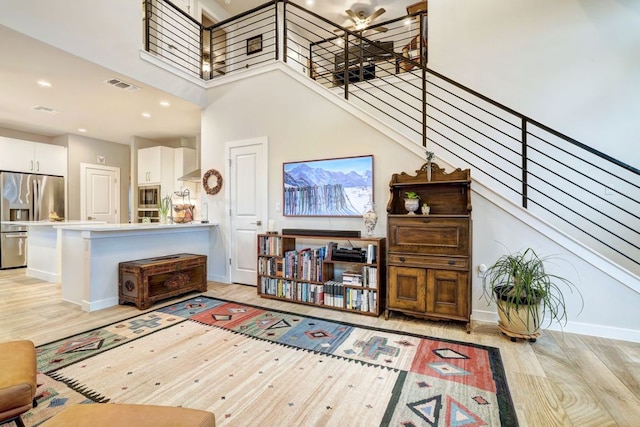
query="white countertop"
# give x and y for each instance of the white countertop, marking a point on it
(48, 223)
(131, 227)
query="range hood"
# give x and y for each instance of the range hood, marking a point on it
(193, 176)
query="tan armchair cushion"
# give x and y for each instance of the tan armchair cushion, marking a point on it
(18, 372)
(114, 414)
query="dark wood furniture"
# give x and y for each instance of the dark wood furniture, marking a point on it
(429, 256)
(305, 270)
(146, 281)
(362, 61)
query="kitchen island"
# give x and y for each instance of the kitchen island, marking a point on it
(91, 255)
(43, 247)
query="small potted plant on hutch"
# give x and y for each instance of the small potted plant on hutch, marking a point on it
(526, 295)
(411, 202)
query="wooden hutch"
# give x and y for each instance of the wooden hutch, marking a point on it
(429, 256)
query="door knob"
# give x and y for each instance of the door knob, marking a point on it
(258, 223)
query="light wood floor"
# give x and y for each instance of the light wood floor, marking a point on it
(561, 380)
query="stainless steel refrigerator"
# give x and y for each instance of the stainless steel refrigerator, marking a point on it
(25, 197)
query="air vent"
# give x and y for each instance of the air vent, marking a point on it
(45, 109)
(121, 85)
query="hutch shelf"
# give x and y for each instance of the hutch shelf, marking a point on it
(341, 273)
(429, 256)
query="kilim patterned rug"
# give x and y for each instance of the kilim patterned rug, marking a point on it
(252, 366)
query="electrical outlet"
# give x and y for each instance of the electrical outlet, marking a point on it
(482, 269)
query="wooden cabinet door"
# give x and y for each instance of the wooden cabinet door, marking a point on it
(407, 289)
(448, 293)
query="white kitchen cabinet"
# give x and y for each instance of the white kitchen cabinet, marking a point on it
(50, 159)
(32, 157)
(155, 167)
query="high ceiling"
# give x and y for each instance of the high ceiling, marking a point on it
(333, 10)
(82, 100)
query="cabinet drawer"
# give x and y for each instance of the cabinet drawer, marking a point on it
(428, 261)
(429, 235)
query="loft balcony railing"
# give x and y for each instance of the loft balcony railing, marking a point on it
(384, 70)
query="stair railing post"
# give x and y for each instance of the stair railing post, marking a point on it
(346, 65)
(147, 17)
(524, 164)
(281, 16)
(423, 61)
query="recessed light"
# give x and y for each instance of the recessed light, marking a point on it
(309, 2)
(44, 83)
(82, 130)
(146, 115)
(165, 103)
(407, 22)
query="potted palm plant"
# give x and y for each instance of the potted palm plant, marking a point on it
(526, 295)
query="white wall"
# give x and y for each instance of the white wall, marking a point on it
(303, 125)
(610, 306)
(300, 125)
(572, 64)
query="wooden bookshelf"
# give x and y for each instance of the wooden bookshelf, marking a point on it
(306, 270)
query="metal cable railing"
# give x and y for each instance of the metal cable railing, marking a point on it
(173, 35)
(585, 193)
(238, 43)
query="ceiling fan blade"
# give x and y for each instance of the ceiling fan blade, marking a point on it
(377, 13)
(340, 30)
(352, 15)
(380, 29)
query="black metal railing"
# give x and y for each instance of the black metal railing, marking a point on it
(173, 35)
(238, 43)
(592, 197)
(378, 69)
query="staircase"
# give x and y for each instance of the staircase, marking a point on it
(586, 194)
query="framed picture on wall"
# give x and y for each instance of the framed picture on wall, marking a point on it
(254, 44)
(329, 187)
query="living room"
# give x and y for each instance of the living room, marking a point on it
(231, 118)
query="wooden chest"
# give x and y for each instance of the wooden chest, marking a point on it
(146, 281)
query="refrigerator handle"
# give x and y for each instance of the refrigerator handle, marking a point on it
(36, 204)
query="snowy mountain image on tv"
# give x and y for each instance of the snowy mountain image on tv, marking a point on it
(334, 187)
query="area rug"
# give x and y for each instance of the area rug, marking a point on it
(253, 366)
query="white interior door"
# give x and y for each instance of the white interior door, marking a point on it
(100, 193)
(247, 172)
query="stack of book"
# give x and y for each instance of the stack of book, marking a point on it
(334, 293)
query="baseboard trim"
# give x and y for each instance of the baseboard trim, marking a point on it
(43, 275)
(99, 304)
(609, 332)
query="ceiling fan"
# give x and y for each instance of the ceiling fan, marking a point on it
(361, 21)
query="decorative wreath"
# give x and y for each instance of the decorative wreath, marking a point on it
(205, 181)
